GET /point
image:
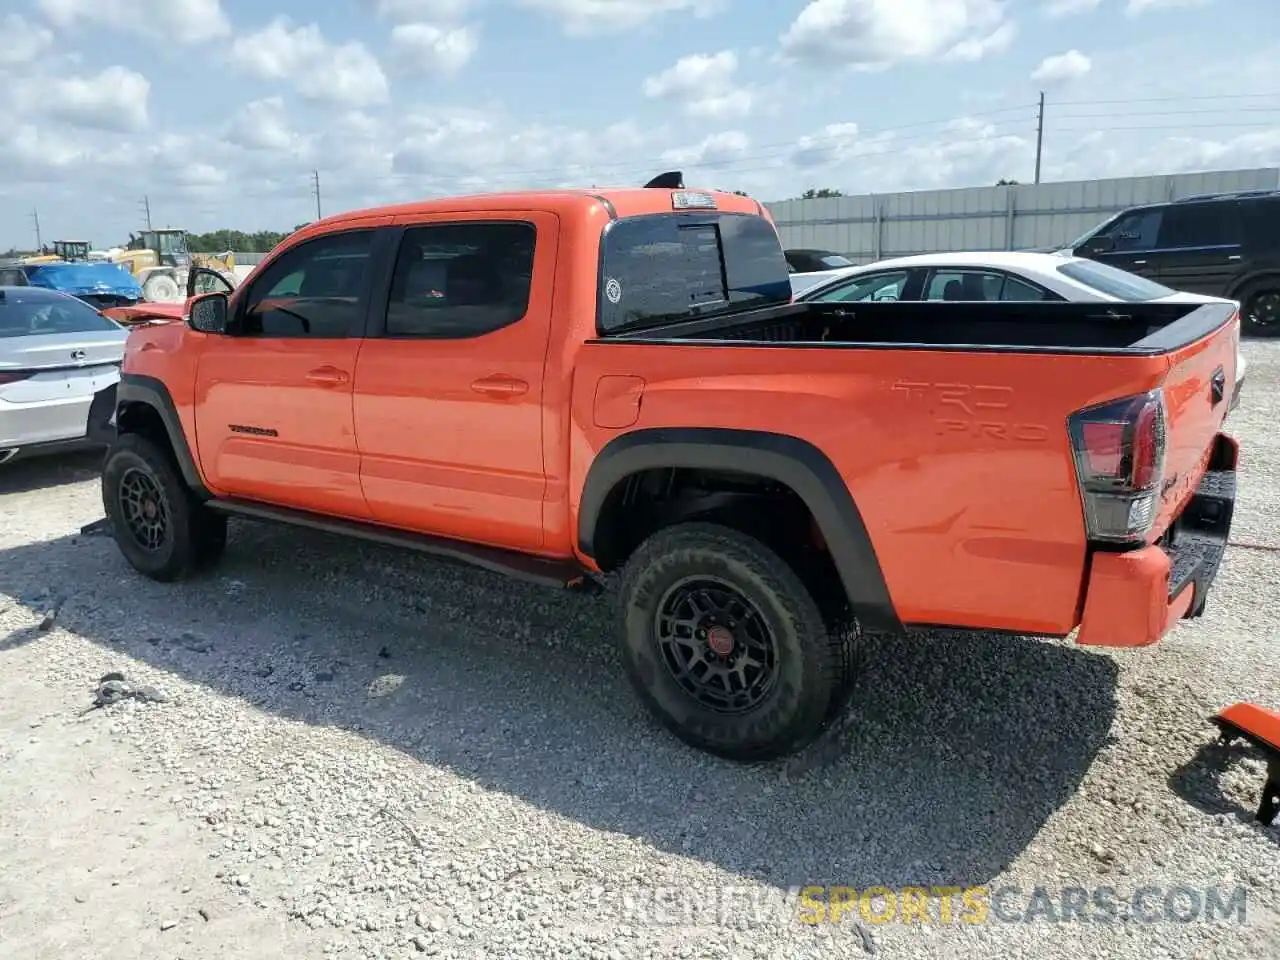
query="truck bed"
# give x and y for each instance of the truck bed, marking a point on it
(1134, 329)
(948, 422)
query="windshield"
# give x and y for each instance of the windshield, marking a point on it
(1113, 281)
(171, 243)
(22, 317)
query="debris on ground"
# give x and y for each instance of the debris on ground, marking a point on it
(114, 687)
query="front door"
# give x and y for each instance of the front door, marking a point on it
(1201, 247)
(449, 391)
(274, 418)
(1130, 243)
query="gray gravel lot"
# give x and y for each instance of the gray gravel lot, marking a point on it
(366, 753)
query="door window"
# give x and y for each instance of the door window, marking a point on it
(964, 285)
(456, 280)
(875, 286)
(1199, 225)
(1135, 231)
(319, 289)
(1019, 291)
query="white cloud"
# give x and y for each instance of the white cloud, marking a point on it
(975, 48)
(716, 151)
(1062, 68)
(115, 99)
(874, 34)
(319, 70)
(433, 49)
(1067, 8)
(586, 17)
(166, 21)
(262, 125)
(1138, 7)
(704, 82)
(23, 41)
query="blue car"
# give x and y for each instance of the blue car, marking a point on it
(98, 283)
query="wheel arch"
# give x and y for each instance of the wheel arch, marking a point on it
(144, 402)
(786, 460)
(1247, 282)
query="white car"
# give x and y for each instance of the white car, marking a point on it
(1001, 276)
(59, 363)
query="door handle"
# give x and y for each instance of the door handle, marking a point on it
(500, 386)
(1139, 263)
(329, 376)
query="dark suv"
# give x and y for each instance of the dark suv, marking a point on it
(1224, 245)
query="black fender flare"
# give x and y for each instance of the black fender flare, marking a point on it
(135, 388)
(785, 459)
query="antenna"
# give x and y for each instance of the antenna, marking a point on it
(671, 180)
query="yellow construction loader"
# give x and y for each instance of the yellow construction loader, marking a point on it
(161, 261)
(63, 250)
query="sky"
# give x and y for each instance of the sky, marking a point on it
(224, 113)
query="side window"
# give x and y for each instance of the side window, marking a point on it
(1262, 222)
(876, 286)
(1199, 225)
(456, 280)
(319, 289)
(965, 285)
(1139, 230)
(1019, 291)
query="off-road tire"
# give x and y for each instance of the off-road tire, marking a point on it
(161, 288)
(808, 678)
(1249, 304)
(194, 537)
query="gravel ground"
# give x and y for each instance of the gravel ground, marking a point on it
(365, 753)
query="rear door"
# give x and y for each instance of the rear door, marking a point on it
(449, 384)
(1200, 247)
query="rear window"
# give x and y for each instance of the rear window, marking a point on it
(1113, 281)
(666, 267)
(20, 317)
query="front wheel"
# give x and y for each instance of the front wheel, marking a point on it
(725, 645)
(1261, 314)
(161, 529)
(160, 288)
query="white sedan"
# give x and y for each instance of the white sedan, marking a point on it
(999, 276)
(59, 365)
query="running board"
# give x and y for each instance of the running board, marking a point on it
(548, 573)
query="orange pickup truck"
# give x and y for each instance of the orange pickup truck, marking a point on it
(566, 384)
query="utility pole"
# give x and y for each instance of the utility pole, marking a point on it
(1039, 136)
(35, 215)
(315, 177)
(146, 209)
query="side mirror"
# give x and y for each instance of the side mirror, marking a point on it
(209, 313)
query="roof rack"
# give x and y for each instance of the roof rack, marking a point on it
(1231, 195)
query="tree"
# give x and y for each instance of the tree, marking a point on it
(820, 194)
(217, 241)
(1002, 182)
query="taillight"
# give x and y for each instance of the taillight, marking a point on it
(1119, 450)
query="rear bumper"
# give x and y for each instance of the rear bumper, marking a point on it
(1134, 598)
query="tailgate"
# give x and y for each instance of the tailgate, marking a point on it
(1197, 395)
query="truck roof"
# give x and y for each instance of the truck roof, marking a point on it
(626, 201)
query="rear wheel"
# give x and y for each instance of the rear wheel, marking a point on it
(160, 288)
(161, 529)
(725, 645)
(1261, 313)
